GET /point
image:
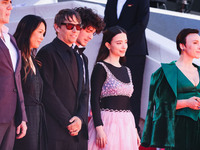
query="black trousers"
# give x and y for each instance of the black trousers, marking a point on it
(54, 144)
(7, 135)
(136, 63)
(187, 134)
(73, 143)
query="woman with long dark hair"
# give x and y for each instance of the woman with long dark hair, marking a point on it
(29, 34)
(112, 125)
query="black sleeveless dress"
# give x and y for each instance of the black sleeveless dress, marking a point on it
(36, 136)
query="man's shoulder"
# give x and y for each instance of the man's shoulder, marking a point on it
(46, 51)
(50, 47)
(47, 47)
(12, 37)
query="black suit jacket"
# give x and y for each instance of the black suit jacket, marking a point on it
(134, 19)
(63, 97)
(11, 96)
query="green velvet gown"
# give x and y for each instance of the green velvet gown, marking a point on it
(187, 121)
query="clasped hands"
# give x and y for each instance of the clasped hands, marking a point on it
(75, 126)
(194, 103)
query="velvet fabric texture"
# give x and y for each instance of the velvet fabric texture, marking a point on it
(159, 128)
(187, 89)
(187, 134)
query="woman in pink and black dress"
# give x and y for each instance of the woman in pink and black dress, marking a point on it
(112, 126)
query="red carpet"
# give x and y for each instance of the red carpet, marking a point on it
(149, 148)
(144, 148)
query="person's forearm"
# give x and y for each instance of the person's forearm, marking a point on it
(181, 104)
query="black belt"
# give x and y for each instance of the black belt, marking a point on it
(116, 103)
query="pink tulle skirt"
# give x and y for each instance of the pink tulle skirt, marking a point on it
(119, 128)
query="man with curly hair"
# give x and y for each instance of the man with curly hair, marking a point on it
(92, 24)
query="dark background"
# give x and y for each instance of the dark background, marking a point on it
(170, 4)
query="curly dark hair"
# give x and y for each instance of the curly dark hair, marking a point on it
(90, 18)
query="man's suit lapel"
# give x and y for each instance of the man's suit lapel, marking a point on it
(128, 3)
(80, 81)
(18, 65)
(115, 9)
(112, 9)
(5, 50)
(80, 73)
(86, 68)
(65, 56)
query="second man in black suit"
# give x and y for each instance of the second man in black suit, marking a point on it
(92, 24)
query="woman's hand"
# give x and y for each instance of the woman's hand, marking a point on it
(101, 139)
(138, 138)
(194, 103)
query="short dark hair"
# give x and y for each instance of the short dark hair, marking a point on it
(64, 14)
(90, 18)
(181, 37)
(108, 35)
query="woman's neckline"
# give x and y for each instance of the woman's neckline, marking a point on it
(112, 65)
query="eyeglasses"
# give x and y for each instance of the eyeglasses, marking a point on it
(70, 26)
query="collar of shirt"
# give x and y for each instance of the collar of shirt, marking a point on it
(4, 31)
(79, 48)
(73, 45)
(11, 48)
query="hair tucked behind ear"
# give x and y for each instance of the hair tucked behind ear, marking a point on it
(108, 35)
(25, 28)
(181, 37)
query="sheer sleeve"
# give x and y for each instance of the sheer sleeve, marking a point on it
(97, 79)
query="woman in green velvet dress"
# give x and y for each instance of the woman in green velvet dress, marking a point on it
(173, 115)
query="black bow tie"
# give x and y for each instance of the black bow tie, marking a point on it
(79, 49)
